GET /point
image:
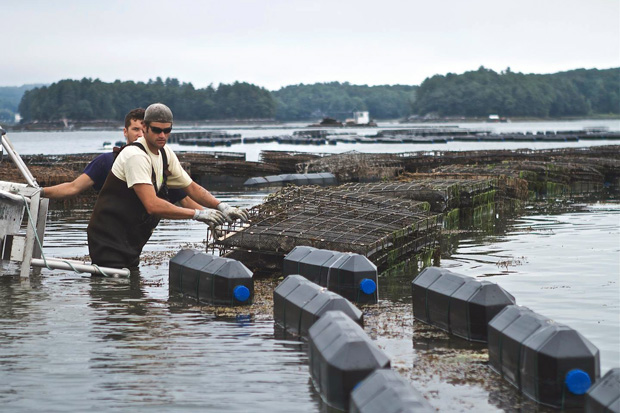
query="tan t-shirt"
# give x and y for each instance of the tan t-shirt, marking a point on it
(133, 166)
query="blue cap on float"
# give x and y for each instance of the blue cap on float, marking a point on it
(241, 293)
(368, 286)
(577, 381)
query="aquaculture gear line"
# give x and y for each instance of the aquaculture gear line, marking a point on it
(28, 248)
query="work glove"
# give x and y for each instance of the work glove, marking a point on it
(232, 213)
(209, 216)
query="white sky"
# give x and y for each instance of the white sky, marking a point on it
(274, 43)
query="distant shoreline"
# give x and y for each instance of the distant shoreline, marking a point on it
(104, 125)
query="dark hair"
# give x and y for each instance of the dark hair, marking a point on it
(134, 114)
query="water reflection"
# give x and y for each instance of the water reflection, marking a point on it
(118, 347)
(117, 302)
(459, 363)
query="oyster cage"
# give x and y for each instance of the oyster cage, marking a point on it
(381, 228)
(355, 166)
(442, 192)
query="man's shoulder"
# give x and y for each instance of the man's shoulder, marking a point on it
(130, 151)
(99, 167)
(104, 157)
(130, 158)
(168, 150)
(169, 153)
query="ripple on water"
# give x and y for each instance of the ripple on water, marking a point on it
(566, 267)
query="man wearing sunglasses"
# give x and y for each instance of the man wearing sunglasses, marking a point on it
(97, 170)
(134, 196)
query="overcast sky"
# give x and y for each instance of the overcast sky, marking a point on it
(274, 43)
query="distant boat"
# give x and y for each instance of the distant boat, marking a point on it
(107, 145)
(360, 119)
(327, 122)
(496, 118)
(120, 144)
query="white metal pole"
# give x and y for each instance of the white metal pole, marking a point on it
(13, 197)
(31, 234)
(19, 162)
(60, 264)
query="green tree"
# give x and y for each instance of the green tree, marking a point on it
(89, 99)
(482, 92)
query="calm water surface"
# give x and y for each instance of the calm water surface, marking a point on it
(566, 267)
(72, 343)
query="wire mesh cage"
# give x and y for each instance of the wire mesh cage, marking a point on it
(380, 228)
(286, 161)
(570, 175)
(356, 166)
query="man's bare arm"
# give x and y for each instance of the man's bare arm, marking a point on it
(201, 195)
(69, 189)
(188, 202)
(157, 206)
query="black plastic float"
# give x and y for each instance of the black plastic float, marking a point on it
(351, 275)
(456, 303)
(211, 279)
(189, 277)
(549, 362)
(386, 391)
(328, 178)
(258, 180)
(322, 178)
(290, 264)
(175, 266)
(298, 303)
(276, 180)
(289, 312)
(316, 264)
(324, 302)
(341, 355)
(298, 179)
(280, 301)
(355, 278)
(507, 331)
(604, 395)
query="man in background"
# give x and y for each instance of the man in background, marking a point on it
(134, 196)
(97, 170)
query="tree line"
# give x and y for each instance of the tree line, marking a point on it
(482, 92)
(471, 94)
(340, 100)
(87, 99)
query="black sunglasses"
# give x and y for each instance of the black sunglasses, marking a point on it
(157, 130)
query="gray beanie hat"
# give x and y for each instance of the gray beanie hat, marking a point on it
(158, 112)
